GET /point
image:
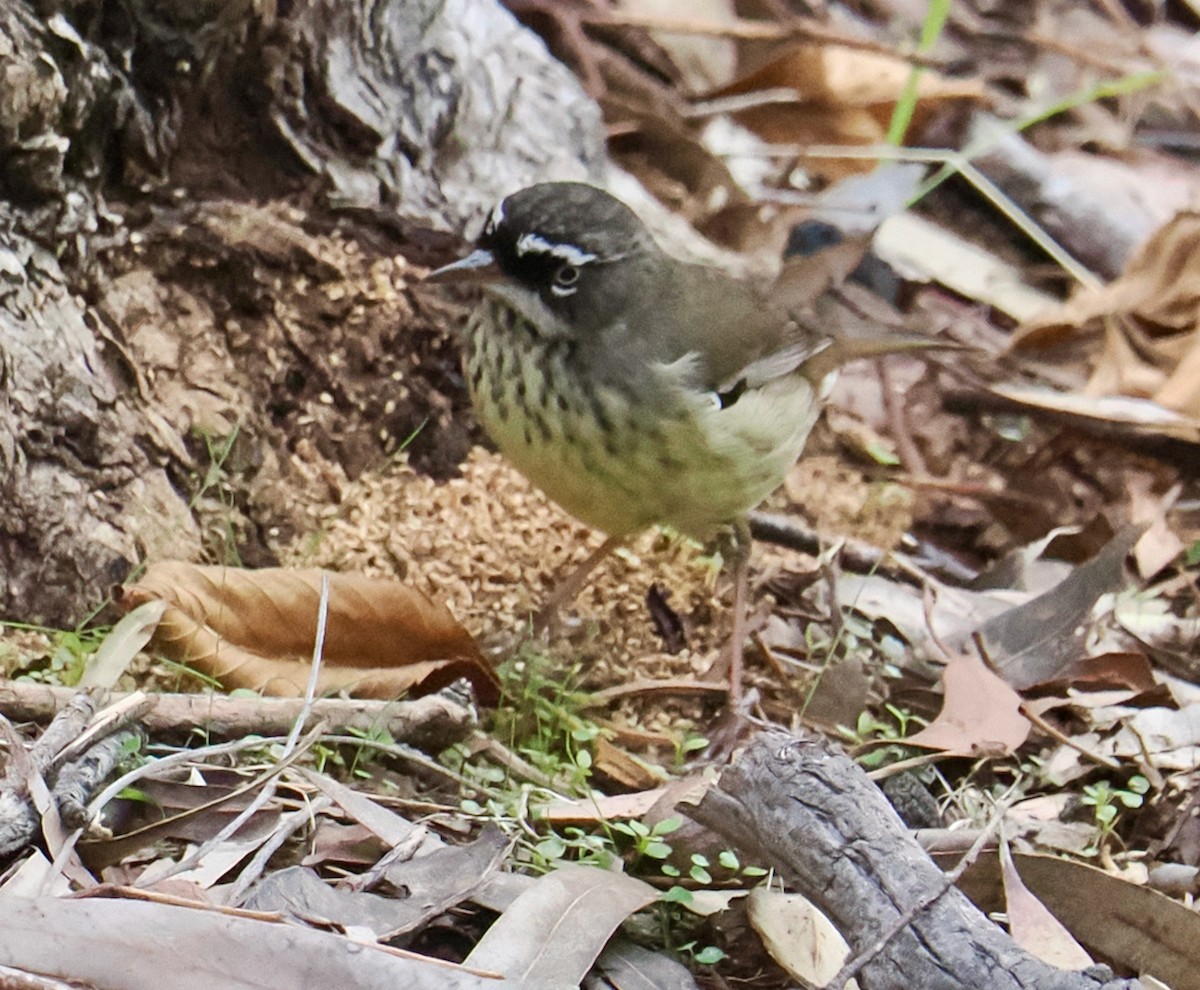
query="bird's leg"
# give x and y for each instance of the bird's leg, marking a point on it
(741, 580)
(565, 591)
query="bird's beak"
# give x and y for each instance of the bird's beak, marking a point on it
(478, 266)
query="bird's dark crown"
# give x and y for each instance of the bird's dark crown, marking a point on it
(568, 215)
(557, 238)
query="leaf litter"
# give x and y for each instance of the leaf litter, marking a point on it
(1051, 679)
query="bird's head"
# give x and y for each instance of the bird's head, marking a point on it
(576, 249)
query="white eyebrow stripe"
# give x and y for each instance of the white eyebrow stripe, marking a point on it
(565, 252)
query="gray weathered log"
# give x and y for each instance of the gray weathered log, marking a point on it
(813, 814)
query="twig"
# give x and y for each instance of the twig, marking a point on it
(911, 763)
(523, 769)
(288, 825)
(401, 852)
(1066, 740)
(855, 555)
(314, 671)
(743, 29)
(666, 686)
(435, 718)
(896, 412)
(265, 785)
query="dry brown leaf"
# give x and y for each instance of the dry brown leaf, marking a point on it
(1156, 353)
(703, 61)
(798, 936)
(256, 629)
(980, 713)
(1126, 674)
(111, 942)
(1181, 390)
(601, 807)
(624, 769)
(1121, 416)
(553, 932)
(432, 884)
(1124, 922)
(1032, 926)
(1033, 642)
(842, 96)
(1162, 738)
(930, 252)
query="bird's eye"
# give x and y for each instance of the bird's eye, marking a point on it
(566, 276)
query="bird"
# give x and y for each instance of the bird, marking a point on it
(634, 388)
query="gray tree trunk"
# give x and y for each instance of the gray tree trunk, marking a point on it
(169, 176)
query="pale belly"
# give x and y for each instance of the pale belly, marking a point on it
(621, 465)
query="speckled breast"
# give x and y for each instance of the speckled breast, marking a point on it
(618, 460)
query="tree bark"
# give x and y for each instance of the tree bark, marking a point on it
(178, 182)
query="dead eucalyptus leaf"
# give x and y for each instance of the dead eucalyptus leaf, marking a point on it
(1032, 925)
(1034, 642)
(103, 942)
(256, 629)
(552, 933)
(833, 94)
(1153, 351)
(798, 936)
(120, 646)
(1130, 924)
(980, 712)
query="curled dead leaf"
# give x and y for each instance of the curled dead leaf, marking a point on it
(832, 94)
(1151, 335)
(256, 629)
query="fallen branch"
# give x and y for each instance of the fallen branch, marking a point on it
(430, 723)
(812, 813)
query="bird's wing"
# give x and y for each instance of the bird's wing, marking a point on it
(740, 336)
(775, 364)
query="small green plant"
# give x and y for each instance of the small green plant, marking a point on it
(1107, 801)
(541, 717)
(408, 440)
(364, 754)
(676, 919)
(649, 843)
(647, 840)
(326, 756)
(70, 651)
(573, 845)
(673, 917)
(218, 450)
(708, 955)
(906, 104)
(729, 861)
(217, 485)
(692, 742)
(869, 731)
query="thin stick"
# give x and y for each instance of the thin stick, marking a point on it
(744, 29)
(567, 589)
(314, 671)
